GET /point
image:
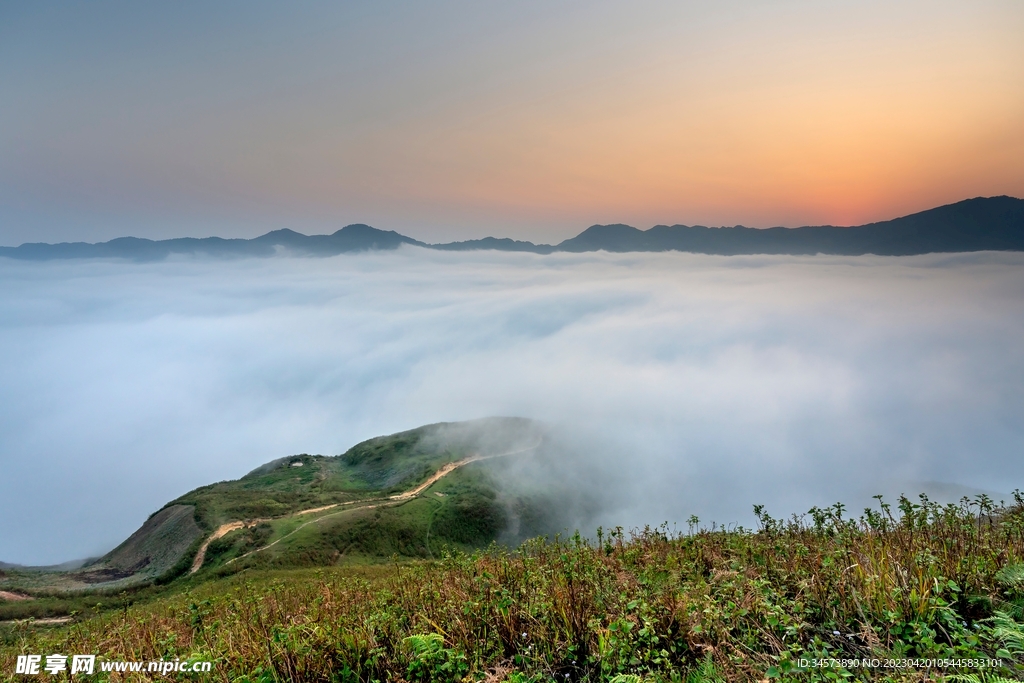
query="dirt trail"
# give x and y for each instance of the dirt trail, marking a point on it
(319, 509)
(39, 622)
(225, 529)
(447, 469)
(380, 502)
(14, 597)
(303, 526)
(222, 530)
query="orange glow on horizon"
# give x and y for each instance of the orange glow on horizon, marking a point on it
(789, 113)
(811, 136)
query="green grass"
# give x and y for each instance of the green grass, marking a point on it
(921, 581)
(467, 515)
(373, 468)
(162, 550)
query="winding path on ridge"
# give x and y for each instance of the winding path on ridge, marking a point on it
(445, 470)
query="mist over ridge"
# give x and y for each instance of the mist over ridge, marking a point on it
(979, 224)
(687, 384)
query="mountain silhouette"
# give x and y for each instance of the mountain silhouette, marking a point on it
(980, 224)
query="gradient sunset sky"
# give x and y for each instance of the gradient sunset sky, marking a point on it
(454, 120)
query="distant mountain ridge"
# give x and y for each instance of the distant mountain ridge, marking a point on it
(979, 224)
(356, 237)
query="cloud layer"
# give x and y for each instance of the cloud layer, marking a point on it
(700, 384)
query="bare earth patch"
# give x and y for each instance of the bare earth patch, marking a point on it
(14, 597)
(48, 621)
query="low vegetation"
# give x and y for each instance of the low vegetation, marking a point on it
(916, 584)
(460, 511)
(307, 510)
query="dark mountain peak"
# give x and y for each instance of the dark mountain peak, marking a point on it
(975, 210)
(283, 237)
(361, 229)
(359, 236)
(979, 224)
(281, 232)
(614, 237)
(124, 241)
(612, 230)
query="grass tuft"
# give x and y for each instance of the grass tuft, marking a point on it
(918, 582)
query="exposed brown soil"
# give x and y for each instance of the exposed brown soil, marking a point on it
(14, 597)
(434, 478)
(111, 573)
(153, 549)
(48, 621)
(225, 529)
(222, 530)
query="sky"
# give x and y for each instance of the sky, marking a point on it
(696, 384)
(455, 119)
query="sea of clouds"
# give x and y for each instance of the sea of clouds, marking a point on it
(703, 384)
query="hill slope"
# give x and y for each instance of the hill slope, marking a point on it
(409, 494)
(995, 223)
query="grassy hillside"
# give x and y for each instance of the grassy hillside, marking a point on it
(378, 467)
(460, 511)
(307, 510)
(926, 592)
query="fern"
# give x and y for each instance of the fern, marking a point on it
(705, 672)
(424, 644)
(1012, 576)
(626, 678)
(432, 662)
(979, 678)
(1015, 608)
(520, 677)
(1008, 632)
